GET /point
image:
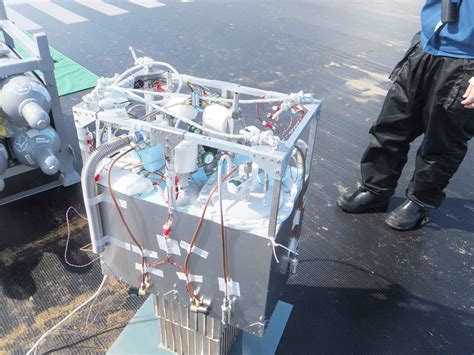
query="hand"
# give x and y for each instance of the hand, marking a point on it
(469, 95)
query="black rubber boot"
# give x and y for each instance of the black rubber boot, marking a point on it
(363, 201)
(408, 216)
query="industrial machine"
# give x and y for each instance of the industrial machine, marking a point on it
(194, 191)
(34, 144)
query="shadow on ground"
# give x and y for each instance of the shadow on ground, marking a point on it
(371, 319)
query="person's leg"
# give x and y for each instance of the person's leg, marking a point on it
(399, 123)
(448, 128)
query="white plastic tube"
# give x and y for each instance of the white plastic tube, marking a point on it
(33, 350)
(130, 71)
(224, 159)
(153, 93)
(184, 119)
(245, 102)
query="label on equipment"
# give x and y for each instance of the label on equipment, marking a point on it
(21, 88)
(29, 159)
(42, 139)
(168, 245)
(21, 144)
(195, 250)
(150, 270)
(192, 278)
(233, 287)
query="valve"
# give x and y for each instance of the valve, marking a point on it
(38, 149)
(226, 311)
(25, 102)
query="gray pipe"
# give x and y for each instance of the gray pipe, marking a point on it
(89, 190)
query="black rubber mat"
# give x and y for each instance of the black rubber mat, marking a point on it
(361, 287)
(39, 288)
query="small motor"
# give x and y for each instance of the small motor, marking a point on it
(25, 102)
(3, 165)
(38, 148)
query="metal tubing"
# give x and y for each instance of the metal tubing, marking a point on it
(89, 190)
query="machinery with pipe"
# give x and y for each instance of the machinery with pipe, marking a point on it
(194, 192)
(34, 136)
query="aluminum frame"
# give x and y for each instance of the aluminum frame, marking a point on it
(41, 60)
(120, 259)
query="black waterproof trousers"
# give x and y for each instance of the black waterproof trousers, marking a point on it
(425, 98)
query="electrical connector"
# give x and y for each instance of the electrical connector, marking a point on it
(142, 291)
(167, 229)
(294, 265)
(144, 286)
(267, 124)
(226, 311)
(196, 308)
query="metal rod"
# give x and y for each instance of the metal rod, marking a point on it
(311, 145)
(276, 191)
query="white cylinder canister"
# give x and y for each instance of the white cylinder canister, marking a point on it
(217, 118)
(185, 157)
(178, 106)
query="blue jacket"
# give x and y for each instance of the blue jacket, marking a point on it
(452, 40)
